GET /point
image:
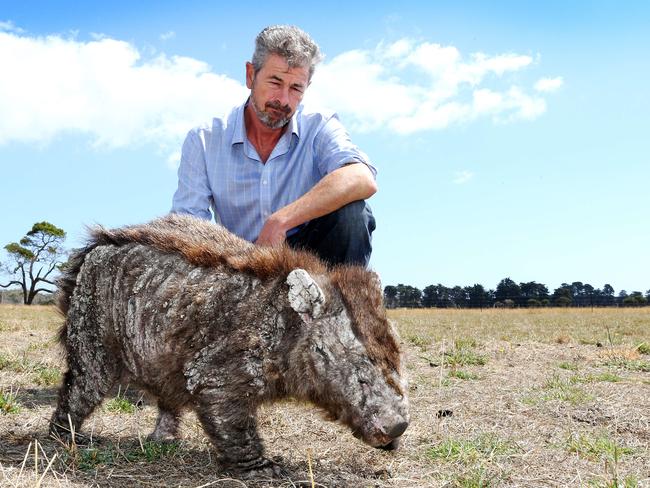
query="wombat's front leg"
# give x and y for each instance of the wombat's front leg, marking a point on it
(232, 427)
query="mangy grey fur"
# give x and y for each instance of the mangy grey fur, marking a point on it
(220, 341)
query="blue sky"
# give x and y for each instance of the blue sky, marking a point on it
(511, 140)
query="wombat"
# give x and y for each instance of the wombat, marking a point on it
(204, 320)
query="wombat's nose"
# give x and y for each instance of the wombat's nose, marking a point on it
(396, 430)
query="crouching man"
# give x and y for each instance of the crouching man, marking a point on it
(274, 172)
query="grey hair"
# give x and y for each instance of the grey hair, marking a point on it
(290, 42)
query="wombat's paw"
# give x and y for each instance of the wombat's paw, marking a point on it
(162, 437)
(263, 469)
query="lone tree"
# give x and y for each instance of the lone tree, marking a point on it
(33, 259)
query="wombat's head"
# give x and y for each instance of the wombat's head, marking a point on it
(350, 353)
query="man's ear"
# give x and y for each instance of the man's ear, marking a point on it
(305, 296)
(250, 74)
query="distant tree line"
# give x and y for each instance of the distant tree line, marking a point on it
(509, 294)
(15, 297)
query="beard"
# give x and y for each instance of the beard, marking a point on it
(268, 118)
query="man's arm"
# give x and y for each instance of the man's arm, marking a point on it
(193, 195)
(347, 184)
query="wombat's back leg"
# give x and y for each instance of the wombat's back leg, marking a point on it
(167, 423)
(92, 372)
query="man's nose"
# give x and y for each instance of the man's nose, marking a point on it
(283, 96)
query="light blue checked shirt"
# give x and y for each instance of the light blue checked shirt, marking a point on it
(220, 169)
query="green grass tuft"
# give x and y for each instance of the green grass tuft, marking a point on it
(119, 404)
(465, 343)
(629, 364)
(152, 451)
(475, 478)
(42, 373)
(419, 341)
(568, 366)
(643, 348)
(565, 390)
(41, 346)
(4, 361)
(606, 377)
(8, 403)
(89, 458)
(462, 375)
(628, 482)
(558, 388)
(463, 354)
(596, 447)
(47, 375)
(484, 446)
(464, 357)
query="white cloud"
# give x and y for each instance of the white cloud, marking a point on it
(547, 85)
(167, 35)
(408, 87)
(104, 88)
(173, 159)
(118, 96)
(461, 177)
(8, 26)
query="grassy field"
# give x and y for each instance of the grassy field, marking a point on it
(531, 398)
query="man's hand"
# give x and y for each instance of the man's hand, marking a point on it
(340, 187)
(273, 233)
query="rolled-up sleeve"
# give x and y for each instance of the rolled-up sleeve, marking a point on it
(193, 195)
(334, 149)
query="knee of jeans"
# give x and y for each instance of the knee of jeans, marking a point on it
(356, 216)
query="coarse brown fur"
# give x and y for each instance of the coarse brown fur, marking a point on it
(205, 244)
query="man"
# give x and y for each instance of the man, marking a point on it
(271, 171)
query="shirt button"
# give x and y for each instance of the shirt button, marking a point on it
(264, 182)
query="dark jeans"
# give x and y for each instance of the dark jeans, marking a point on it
(341, 237)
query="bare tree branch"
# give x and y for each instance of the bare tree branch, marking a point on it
(11, 283)
(45, 290)
(52, 268)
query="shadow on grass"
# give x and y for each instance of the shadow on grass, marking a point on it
(39, 396)
(34, 397)
(129, 462)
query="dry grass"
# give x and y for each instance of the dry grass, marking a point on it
(496, 400)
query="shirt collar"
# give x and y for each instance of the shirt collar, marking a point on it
(239, 134)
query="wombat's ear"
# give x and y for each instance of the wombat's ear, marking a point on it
(305, 296)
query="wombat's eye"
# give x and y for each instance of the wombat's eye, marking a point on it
(321, 351)
(365, 386)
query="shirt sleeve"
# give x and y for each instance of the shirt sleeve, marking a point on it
(193, 195)
(333, 148)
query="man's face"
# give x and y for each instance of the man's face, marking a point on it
(276, 90)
